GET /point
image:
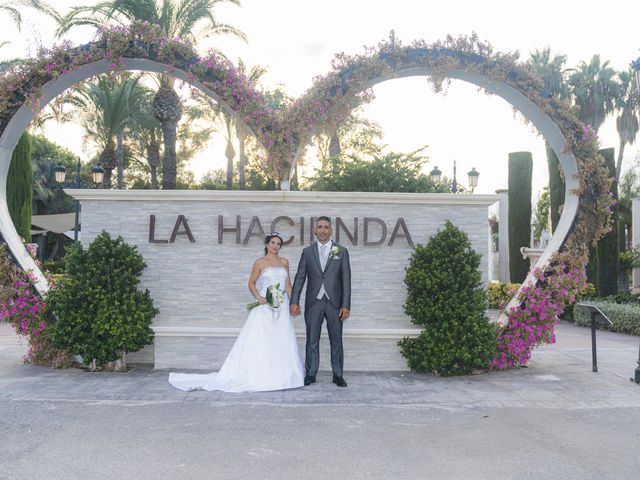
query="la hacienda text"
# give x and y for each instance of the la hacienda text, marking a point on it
(366, 231)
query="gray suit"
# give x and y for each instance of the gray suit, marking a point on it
(336, 278)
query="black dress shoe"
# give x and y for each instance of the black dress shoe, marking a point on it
(339, 381)
(308, 380)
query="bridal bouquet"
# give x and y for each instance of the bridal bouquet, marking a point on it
(274, 296)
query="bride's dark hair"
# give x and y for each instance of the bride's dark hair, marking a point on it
(270, 237)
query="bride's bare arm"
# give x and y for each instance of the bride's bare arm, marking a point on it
(253, 278)
(288, 286)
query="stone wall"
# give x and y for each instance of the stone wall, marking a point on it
(199, 281)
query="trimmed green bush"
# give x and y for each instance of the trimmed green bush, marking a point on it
(19, 189)
(501, 293)
(447, 296)
(101, 312)
(623, 297)
(520, 168)
(625, 316)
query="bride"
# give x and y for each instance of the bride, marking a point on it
(265, 355)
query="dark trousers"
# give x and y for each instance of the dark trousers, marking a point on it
(313, 318)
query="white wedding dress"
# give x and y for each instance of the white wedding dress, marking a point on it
(265, 355)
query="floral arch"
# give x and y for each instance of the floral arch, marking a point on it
(559, 274)
(25, 89)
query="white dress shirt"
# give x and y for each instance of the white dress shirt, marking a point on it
(324, 250)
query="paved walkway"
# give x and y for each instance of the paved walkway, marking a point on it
(558, 377)
(555, 419)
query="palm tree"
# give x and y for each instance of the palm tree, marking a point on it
(229, 151)
(12, 9)
(253, 78)
(356, 135)
(594, 90)
(105, 109)
(228, 124)
(627, 120)
(147, 133)
(167, 109)
(174, 19)
(552, 72)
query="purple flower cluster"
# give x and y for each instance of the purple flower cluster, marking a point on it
(25, 311)
(532, 322)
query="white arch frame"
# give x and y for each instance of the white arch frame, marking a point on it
(25, 114)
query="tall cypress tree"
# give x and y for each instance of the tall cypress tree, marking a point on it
(607, 260)
(556, 187)
(520, 168)
(19, 187)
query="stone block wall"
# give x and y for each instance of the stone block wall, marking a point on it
(198, 260)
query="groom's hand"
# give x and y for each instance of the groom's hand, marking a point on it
(344, 314)
(294, 308)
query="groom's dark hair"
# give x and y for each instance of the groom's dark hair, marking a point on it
(325, 218)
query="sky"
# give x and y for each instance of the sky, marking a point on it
(297, 39)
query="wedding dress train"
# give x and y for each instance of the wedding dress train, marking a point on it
(265, 355)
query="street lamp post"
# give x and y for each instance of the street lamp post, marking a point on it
(472, 179)
(61, 173)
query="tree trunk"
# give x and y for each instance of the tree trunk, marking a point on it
(169, 166)
(230, 153)
(120, 159)
(334, 145)
(295, 185)
(106, 179)
(153, 157)
(619, 162)
(108, 161)
(167, 109)
(242, 158)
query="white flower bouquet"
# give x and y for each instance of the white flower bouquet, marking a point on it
(274, 296)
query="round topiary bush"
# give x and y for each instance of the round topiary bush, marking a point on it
(446, 295)
(101, 312)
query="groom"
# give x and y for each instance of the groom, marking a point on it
(326, 265)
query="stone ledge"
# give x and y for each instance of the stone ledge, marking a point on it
(280, 196)
(386, 333)
(208, 353)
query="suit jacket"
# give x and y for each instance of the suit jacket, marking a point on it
(336, 277)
